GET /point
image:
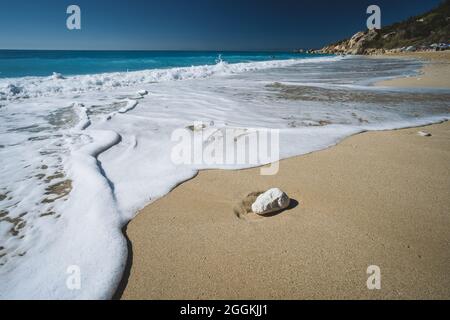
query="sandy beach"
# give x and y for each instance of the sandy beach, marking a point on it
(436, 72)
(377, 198)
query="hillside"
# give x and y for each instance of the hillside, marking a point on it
(428, 31)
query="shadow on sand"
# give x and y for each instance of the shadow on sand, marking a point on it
(126, 273)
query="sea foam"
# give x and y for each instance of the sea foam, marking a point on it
(32, 87)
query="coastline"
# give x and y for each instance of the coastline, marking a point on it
(434, 74)
(376, 198)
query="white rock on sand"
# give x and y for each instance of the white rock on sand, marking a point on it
(271, 201)
(424, 134)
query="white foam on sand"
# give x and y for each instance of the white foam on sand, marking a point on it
(113, 152)
(31, 87)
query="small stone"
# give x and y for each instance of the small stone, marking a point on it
(57, 76)
(196, 127)
(424, 134)
(143, 93)
(271, 201)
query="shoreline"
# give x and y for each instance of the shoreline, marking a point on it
(185, 248)
(434, 74)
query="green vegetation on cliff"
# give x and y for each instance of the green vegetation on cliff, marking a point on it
(426, 29)
(423, 30)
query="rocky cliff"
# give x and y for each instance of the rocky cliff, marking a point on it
(429, 31)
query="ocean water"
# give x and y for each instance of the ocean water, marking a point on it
(15, 63)
(81, 151)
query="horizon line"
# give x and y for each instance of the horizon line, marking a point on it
(165, 50)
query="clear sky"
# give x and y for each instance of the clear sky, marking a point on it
(192, 24)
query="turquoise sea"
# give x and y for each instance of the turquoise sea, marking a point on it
(22, 63)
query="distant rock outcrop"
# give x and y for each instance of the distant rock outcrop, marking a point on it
(427, 32)
(358, 44)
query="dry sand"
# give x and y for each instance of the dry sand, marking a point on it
(378, 198)
(436, 72)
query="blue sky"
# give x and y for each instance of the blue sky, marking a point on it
(192, 24)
